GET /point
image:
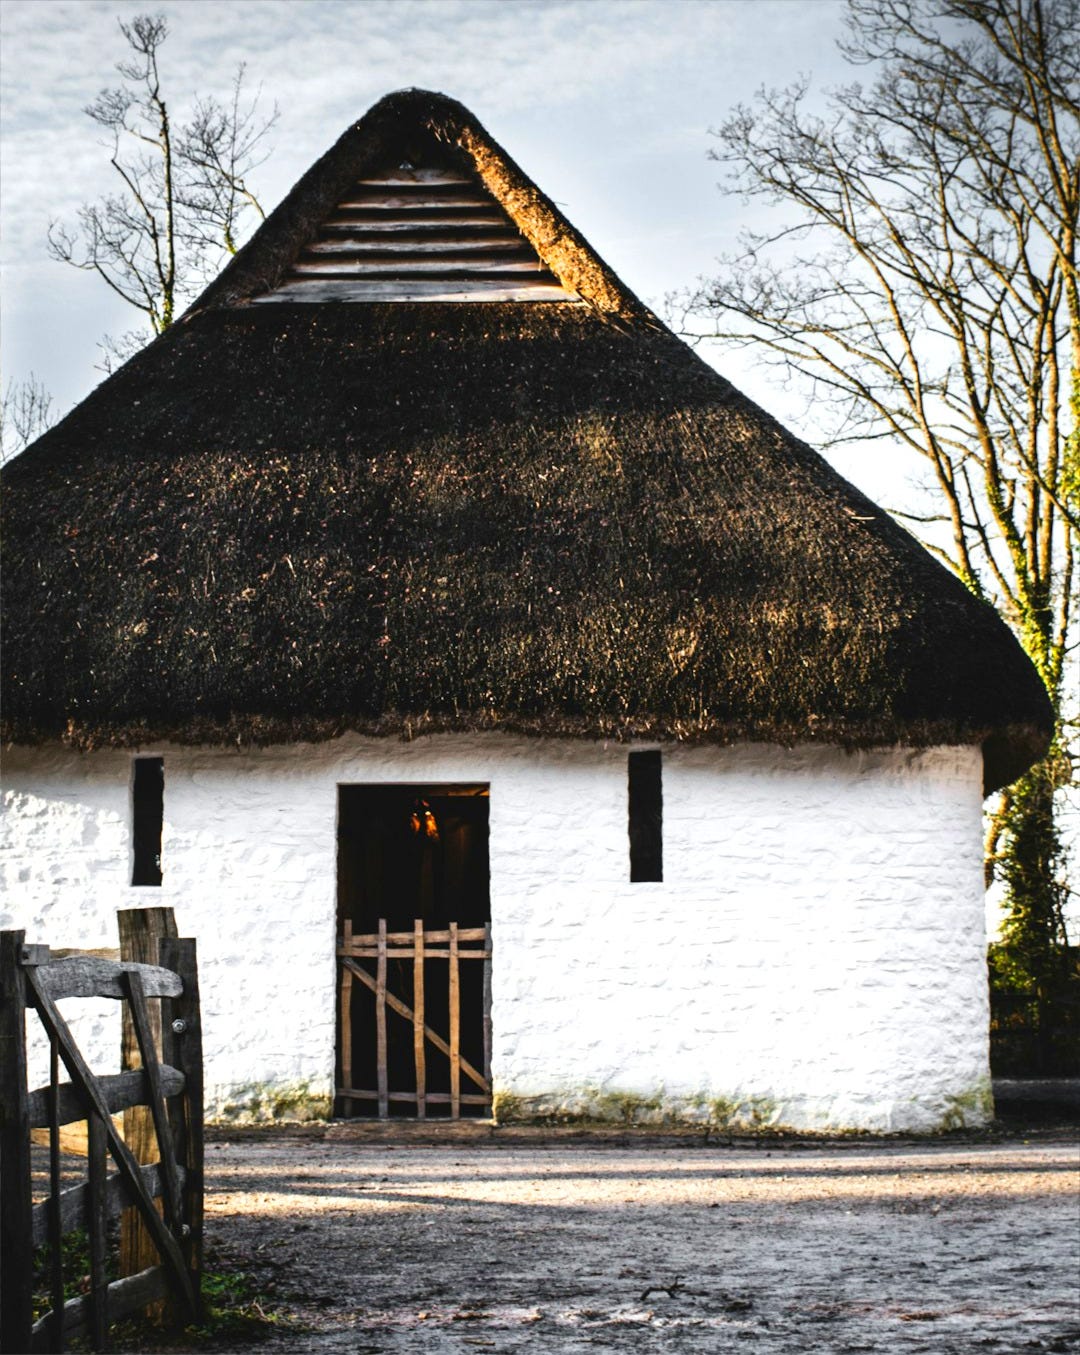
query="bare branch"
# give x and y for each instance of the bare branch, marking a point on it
(185, 190)
(26, 411)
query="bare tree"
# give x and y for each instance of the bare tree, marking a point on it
(26, 411)
(925, 291)
(183, 191)
(219, 148)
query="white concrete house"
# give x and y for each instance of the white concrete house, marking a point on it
(419, 576)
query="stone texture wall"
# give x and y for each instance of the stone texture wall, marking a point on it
(814, 956)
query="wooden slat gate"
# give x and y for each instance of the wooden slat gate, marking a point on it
(170, 1084)
(455, 945)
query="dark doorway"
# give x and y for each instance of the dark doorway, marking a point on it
(409, 854)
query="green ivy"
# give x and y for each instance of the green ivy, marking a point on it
(1034, 972)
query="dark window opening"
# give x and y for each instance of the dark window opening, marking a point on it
(646, 818)
(148, 809)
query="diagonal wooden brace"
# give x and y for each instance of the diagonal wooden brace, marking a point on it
(402, 1010)
(152, 1067)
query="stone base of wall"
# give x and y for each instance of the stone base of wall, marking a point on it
(971, 1108)
(741, 1112)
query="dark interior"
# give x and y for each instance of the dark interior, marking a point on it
(147, 812)
(407, 852)
(646, 817)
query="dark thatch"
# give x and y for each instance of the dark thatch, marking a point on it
(284, 521)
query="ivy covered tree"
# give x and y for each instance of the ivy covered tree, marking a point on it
(923, 288)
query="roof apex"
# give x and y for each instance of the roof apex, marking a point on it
(384, 130)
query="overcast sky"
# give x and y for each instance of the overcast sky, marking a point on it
(607, 104)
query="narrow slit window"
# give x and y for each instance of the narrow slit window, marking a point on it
(646, 802)
(147, 814)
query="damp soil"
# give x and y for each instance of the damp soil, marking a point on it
(363, 1241)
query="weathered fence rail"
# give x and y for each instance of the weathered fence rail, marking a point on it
(165, 1192)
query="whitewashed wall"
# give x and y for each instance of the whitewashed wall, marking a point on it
(813, 958)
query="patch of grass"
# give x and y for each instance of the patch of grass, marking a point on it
(75, 1260)
(233, 1309)
(236, 1313)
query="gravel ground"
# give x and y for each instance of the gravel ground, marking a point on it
(561, 1245)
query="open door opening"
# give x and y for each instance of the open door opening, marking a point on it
(414, 951)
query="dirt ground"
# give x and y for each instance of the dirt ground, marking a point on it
(564, 1245)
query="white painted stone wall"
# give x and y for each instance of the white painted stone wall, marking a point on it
(813, 958)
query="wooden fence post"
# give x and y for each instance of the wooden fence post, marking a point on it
(487, 1005)
(97, 1147)
(140, 931)
(345, 1015)
(419, 1052)
(455, 1026)
(181, 1042)
(16, 1254)
(380, 1022)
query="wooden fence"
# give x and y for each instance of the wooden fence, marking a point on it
(453, 944)
(169, 1083)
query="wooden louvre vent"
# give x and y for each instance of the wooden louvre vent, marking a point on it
(412, 234)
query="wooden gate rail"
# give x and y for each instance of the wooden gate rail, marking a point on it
(453, 944)
(170, 1085)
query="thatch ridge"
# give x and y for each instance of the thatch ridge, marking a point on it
(383, 133)
(282, 522)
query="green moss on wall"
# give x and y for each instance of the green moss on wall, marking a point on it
(275, 1102)
(968, 1109)
(748, 1112)
(614, 1106)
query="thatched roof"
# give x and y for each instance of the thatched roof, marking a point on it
(282, 521)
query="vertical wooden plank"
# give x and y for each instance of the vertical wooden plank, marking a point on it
(16, 1201)
(166, 1151)
(418, 1019)
(56, 1227)
(182, 1048)
(380, 1022)
(97, 1223)
(455, 1027)
(487, 1004)
(140, 931)
(346, 1012)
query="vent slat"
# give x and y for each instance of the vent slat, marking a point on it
(411, 176)
(375, 241)
(315, 291)
(394, 268)
(516, 260)
(380, 202)
(413, 221)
